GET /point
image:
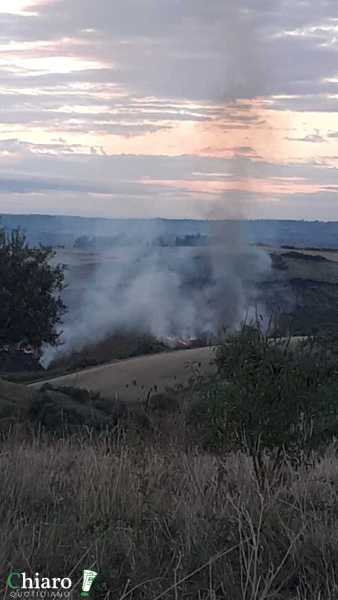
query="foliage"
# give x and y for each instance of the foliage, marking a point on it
(163, 522)
(31, 307)
(280, 397)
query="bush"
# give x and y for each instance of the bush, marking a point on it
(279, 397)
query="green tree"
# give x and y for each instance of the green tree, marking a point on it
(31, 307)
(275, 398)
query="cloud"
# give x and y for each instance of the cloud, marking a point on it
(123, 185)
(151, 77)
(314, 138)
(28, 185)
(244, 151)
(180, 49)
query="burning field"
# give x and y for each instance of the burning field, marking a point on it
(148, 299)
(180, 296)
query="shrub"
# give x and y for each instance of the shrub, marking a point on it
(280, 397)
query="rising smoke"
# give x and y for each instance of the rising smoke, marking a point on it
(168, 292)
(180, 292)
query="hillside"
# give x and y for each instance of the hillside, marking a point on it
(138, 378)
(203, 494)
(302, 291)
(64, 230)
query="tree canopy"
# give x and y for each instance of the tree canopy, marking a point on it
(31, 306)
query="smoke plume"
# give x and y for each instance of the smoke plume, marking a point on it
(168, 292)
(181, 292)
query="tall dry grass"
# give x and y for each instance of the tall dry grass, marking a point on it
(160, 522)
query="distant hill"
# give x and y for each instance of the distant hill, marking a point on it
(64, 230)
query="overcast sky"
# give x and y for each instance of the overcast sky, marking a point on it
(169, 108)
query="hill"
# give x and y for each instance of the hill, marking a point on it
(228, 490)
(64, 230)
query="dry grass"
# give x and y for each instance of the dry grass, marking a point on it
(160, 522)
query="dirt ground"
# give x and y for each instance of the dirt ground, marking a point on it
(133, 379)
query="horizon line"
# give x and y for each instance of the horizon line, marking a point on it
(206, 220)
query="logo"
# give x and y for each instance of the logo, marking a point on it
(88, 580)
(22, 586)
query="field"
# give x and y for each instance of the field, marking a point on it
(168, 523)
(298, 284)
(172, 477)
(172, 497)
(138, 378)
(182, 475)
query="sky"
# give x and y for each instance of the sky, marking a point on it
(169, 108)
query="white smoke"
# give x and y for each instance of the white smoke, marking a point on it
(167, 292)
(182, 292)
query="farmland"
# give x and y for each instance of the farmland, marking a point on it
(171, 466)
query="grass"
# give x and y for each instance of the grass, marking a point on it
(165, 522)
(156, 500)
